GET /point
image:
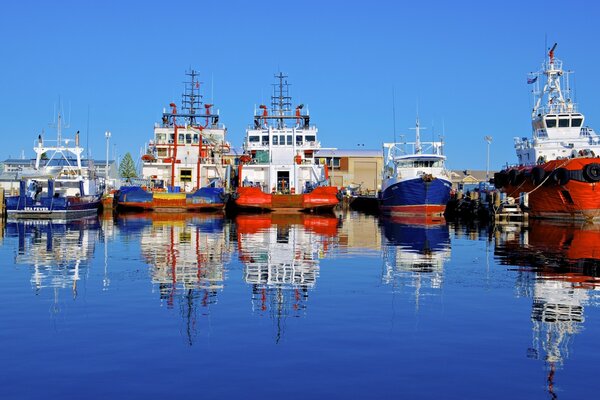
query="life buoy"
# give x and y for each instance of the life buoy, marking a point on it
(591, 172)
(537, 175)
(561, 176)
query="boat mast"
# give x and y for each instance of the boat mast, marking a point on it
(191, 99)
(281, 101)
(555, 100)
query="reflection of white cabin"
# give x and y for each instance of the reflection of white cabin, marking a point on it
(181, 254)
(59, 260)
(284, 256)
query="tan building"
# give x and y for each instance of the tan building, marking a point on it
(354, 168)
(466, 178)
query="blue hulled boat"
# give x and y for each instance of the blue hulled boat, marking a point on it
(415, 179)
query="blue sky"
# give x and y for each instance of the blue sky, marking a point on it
(464, 63)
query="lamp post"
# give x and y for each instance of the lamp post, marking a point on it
(488, 139)
(107, 134)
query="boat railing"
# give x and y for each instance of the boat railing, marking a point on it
(394, 150)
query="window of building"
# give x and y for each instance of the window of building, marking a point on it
(185, 175)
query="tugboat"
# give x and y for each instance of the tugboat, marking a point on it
(59, 187)
(278, 170)
(415, 179)
(558, 167)
(183, 168)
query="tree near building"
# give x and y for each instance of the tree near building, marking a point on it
(127, 167)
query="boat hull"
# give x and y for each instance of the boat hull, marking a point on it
(136, 198)
(566, 189)
(322, 198)
(52, 208)
(415, 196)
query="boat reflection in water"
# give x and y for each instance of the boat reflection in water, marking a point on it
(560, 269)
(281, 255)
(186, 253)
(58, 251)
(415, 251)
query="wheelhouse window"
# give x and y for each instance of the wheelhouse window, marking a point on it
(576, 122)
(265, 140)
(282, 140)
(550, 123)
(289, 140)
(298, 139)
(180, 138)
(188, 138)
(563, 123)
(161, 152)
(254, 139)
(310, 138)
(195, 138)
(275, 140)
(185, 175)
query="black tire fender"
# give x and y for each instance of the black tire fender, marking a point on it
(591, 172)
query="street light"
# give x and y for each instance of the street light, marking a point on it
(107, 134)
(488, 139)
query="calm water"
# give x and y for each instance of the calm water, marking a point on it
(145, 306)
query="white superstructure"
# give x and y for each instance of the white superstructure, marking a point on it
(279, 148)
(188, 146)
(558, 127)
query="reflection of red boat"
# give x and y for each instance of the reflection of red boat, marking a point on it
(254, 223)
(563, 252)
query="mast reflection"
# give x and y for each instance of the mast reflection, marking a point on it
(560, 271)
(186, 253)
(414, 254)
(281, 255)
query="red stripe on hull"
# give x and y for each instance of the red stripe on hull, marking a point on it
(432, 209)
(174, 207)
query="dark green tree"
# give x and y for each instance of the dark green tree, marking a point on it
(127, 167)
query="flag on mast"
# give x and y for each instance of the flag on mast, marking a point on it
(531, 80)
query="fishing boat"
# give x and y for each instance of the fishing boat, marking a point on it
(58, 187)
(558, 167)
(415, 179)
(278, 170)
(183, 168)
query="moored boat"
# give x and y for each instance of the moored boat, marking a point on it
(278, 170)
(558, 167)
(183, 168)
(58, 187)
(415, 179)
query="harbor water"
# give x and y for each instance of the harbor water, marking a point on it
(297, 306)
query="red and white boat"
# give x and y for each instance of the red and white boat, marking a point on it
(278, 170)
(559, 169)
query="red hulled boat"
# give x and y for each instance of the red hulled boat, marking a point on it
(558, 168)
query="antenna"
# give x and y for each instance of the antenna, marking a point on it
(394, 111)
(87, 133)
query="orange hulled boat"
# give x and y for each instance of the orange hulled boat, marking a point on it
(558, 169)
(278, 170)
